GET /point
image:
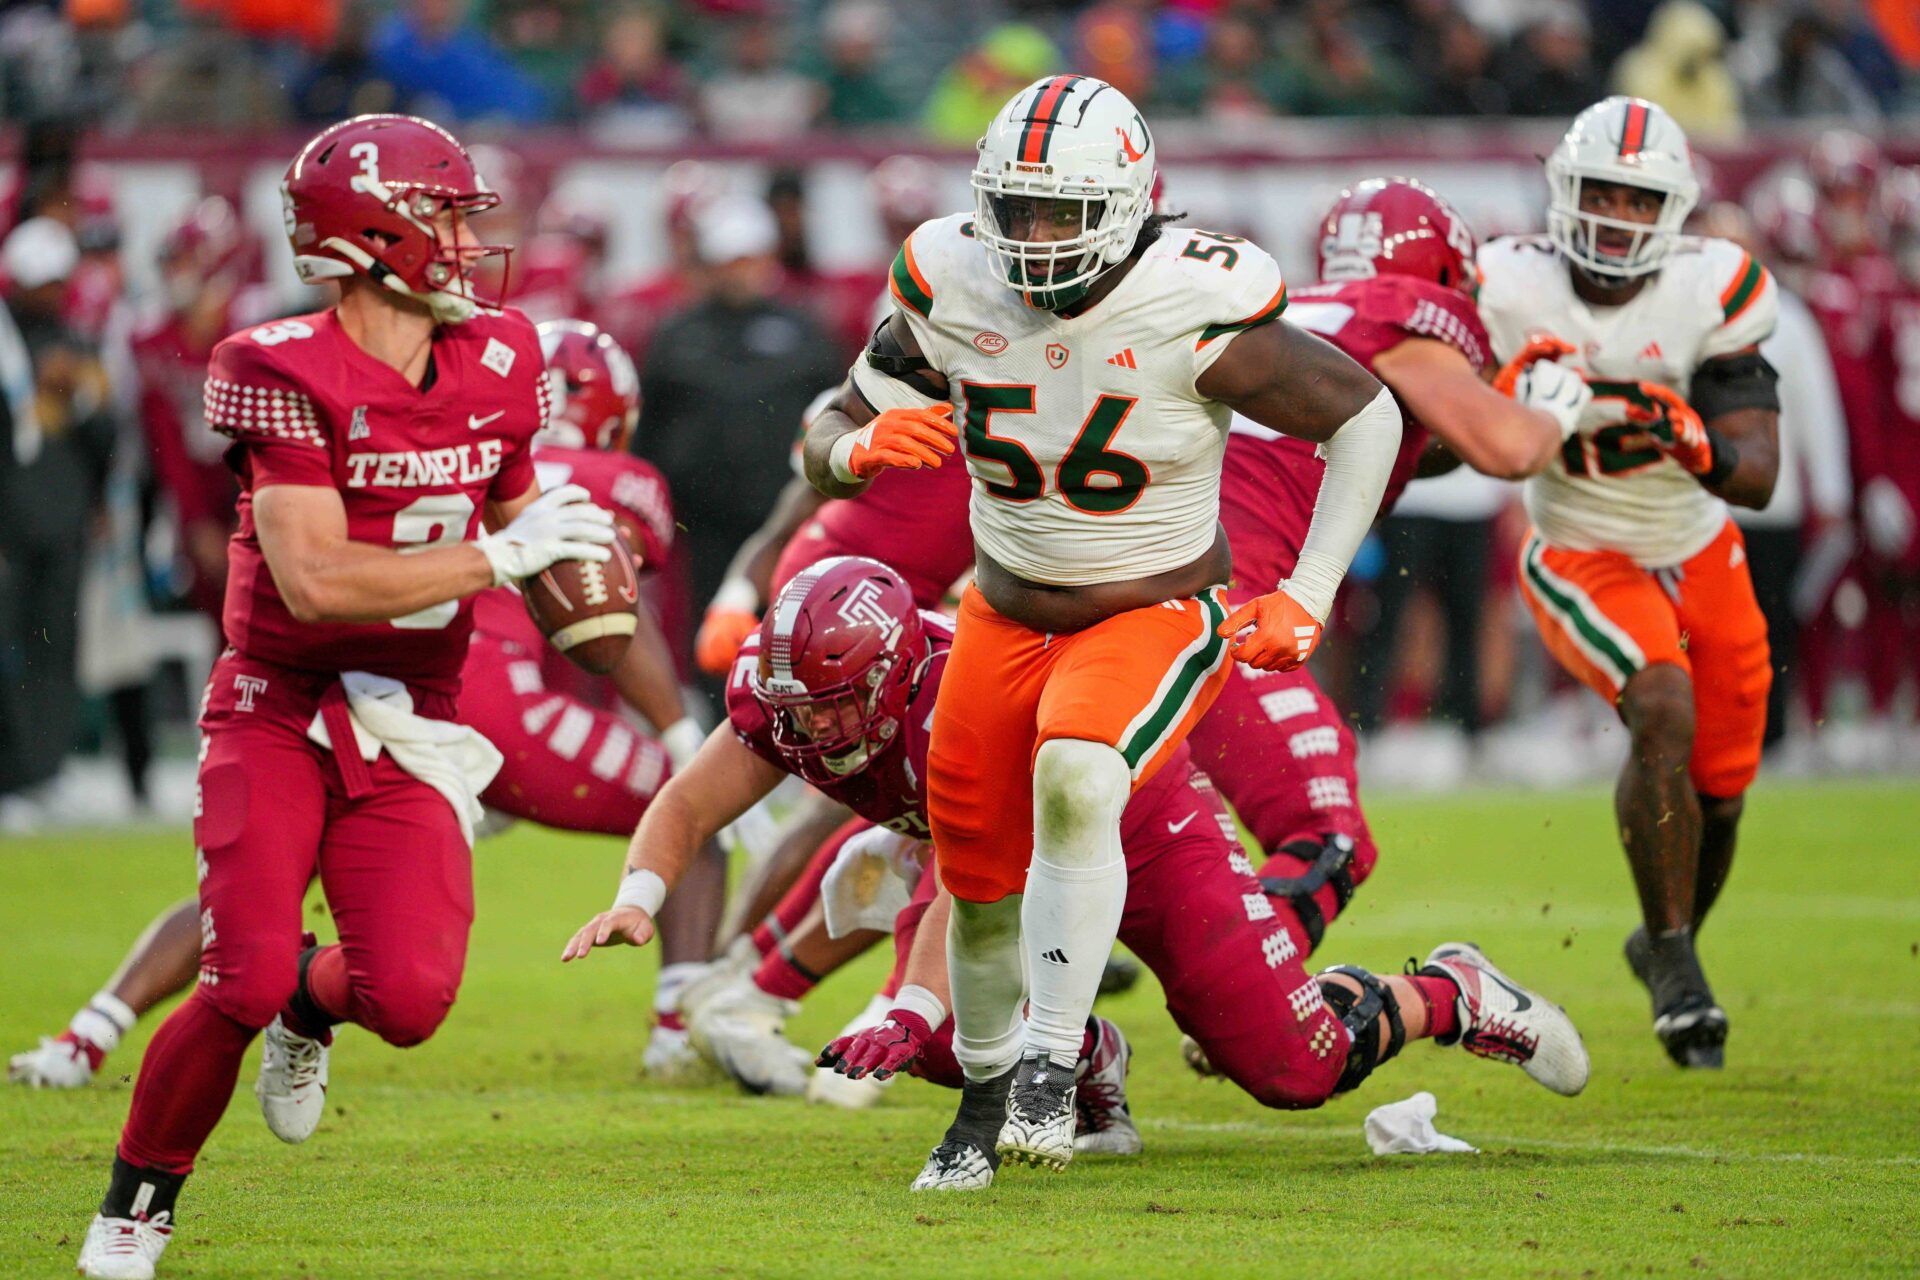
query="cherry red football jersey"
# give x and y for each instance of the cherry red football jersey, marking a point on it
(1270, 481)
(304, 405)
(915, 521)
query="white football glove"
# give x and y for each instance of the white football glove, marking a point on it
(1887, 516)
(561, 524)
(1557, 391)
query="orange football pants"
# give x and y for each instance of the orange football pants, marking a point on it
(1137, 682)
(1605, 618)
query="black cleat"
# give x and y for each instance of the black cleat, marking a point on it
(966, 1160)
(1691, 1025)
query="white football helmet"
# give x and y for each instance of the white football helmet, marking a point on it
(1632, 142)
(1070, 139)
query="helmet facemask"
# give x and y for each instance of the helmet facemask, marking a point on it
(831, 733)
(1578, 235)
(1051, 244)
(448, 276)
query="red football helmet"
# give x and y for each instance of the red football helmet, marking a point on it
(1900, 207)
(596, 392)
(1396, 226)
(209, 241)
(839, 649)
(363, 196)
(1786, 214)
(1845, 167)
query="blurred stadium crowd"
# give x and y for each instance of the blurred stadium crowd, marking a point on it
(742, 270)
(759, 69)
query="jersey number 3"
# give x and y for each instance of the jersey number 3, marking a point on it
(1092, 477)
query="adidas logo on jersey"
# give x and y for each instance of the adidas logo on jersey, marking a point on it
(1652, 351)
(1056, 955)
(1124, 360)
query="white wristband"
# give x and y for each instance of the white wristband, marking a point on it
(642, 889)
(840, 457)
(916, 999)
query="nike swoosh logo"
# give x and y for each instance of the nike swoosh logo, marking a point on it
(1522, 1001)
(475, 422)
(1175, 828)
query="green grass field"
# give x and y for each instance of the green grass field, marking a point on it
(523, 1142)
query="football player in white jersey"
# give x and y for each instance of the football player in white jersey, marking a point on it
(1090, 357)
(1634, 574)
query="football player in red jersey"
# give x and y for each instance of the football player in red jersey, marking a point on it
(567, 763)
(838, 687)
(204, 261)
(370, 440)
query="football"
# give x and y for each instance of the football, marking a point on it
(587, 610)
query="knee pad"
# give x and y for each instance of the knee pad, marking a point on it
(1080, 789)
(1329, 862)
(1357, 1014)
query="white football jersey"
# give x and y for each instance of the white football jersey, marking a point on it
(1605, 491)
(1093, 457)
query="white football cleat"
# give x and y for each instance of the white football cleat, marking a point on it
(956, 1165)
(671, 1058)
(1103, 1125)
(61, 1062)
(741, 1029)
(124, 1248)
(292, 1087)
(1502, 1020)
(1040, 1114)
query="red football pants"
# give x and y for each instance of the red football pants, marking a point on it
(273, 811)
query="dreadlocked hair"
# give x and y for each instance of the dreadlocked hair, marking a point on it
(1151, 228)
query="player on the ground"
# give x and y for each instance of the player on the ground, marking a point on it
(566, 762)
(370, 440)
(1093, 356)
(1634, 573)
(840, 687)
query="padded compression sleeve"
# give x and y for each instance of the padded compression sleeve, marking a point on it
(1360, 458)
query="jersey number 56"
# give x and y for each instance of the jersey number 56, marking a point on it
(1092, 477)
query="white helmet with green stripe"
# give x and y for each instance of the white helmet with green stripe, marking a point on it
(1062, 186)
(1634, 143)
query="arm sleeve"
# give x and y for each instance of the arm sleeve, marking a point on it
(1360, 458)
(258, 405)
(1810, 407)
(1252, 294)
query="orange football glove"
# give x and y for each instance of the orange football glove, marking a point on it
(1284, 634)
(1675, 427)
(910, 438)
(1545, 347)
(722, 632)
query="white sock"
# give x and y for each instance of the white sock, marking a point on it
(1076, 889)
(673, 980)
(984, 970)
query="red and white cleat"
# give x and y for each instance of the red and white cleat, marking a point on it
(1502, 1020)
(124, 1248)
(292, 1087)
(64, 1061)
(1102, 1124)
